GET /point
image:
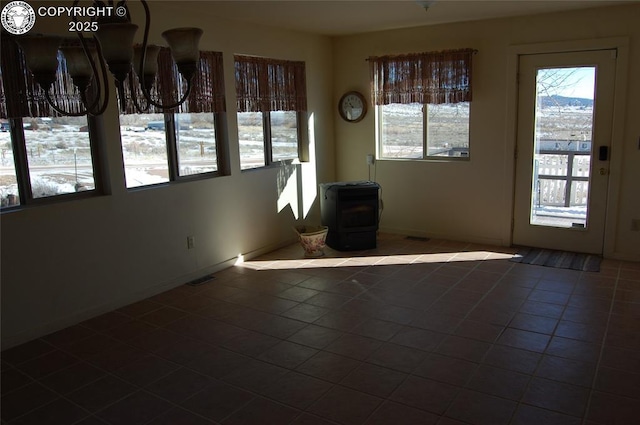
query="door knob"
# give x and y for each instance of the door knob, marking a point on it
(604, 171)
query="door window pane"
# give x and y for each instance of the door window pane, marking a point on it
(144, 149)
(562, 146)
(58, 155)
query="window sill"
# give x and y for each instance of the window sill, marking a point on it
(428, 159)
(275, 164)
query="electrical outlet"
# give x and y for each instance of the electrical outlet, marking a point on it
(370, 159)
(191, 242)
(635, 225)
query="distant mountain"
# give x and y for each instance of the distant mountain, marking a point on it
(556, 100)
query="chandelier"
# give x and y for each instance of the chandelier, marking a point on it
(112, 47)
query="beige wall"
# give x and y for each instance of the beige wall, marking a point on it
(472, 200)
(66, 262)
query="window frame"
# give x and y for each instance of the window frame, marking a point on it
(173, 162)
(173, 155)
(267, 143)
(425, 138)
(23, 174)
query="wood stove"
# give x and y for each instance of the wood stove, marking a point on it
(350, 210)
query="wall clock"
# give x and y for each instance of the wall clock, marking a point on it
(352, 106)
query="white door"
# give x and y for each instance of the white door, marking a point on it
(565, 109)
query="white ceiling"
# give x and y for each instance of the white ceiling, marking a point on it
(330, 17)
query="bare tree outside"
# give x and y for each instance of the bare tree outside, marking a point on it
(561, 116)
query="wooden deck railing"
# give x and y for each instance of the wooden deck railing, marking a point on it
(557, 171)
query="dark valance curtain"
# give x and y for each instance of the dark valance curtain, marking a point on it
(264, 84)
(431, 77)
(21, 96)
(207, 92)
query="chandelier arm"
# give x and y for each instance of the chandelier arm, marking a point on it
(90, 109)
(59, 110)
(134, 97)
(101, 99)
(123, 100)
(176, 104)
(145, 90)
(143, 54)
(103, 68)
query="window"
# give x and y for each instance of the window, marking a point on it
(403, 135)
(423, 102)
(284, 135)
(144, 149)
(196, 143)
(279, 128)
(9, 194)
(157, 146)
(251, 139)
(271, 102)
(44, 156)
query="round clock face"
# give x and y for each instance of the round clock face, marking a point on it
(352, 106)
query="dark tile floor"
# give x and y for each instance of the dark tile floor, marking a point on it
(414, 332)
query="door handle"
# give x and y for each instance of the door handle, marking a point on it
(604, 171)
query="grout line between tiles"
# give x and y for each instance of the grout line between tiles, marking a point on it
(600, 354)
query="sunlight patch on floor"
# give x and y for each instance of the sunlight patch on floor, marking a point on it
(376, 260)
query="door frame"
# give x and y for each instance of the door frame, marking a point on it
(617, 125)
(589, 237)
